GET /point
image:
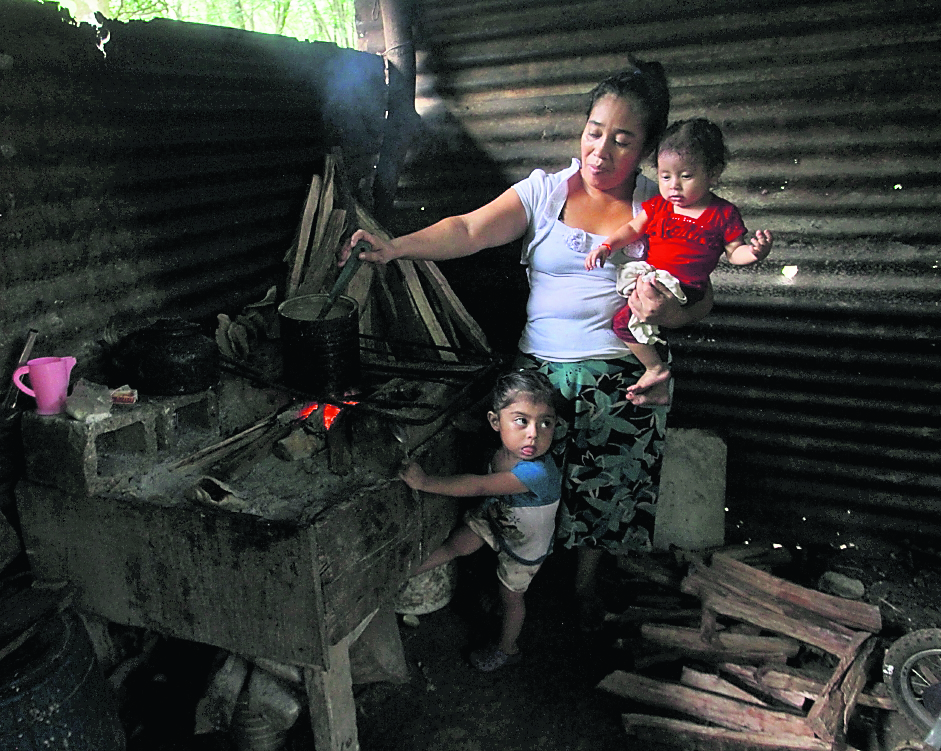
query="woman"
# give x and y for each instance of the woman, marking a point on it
(614, 447)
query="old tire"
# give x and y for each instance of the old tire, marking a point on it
(912, 674)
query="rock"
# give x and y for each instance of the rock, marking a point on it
(841, 585)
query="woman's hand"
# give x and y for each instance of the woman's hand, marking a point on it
(653, 303)
(382, 251)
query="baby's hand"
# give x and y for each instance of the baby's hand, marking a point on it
(597, 257)
(413, 476)
(761, 244)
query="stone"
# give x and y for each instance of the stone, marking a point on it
(691, 506)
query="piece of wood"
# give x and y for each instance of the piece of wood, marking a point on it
(330, 697)
(235, 581)
(794, 686)
(853, 614)
(830, 714)
(12, 391)
(413, 285)
(454, 307)
(323, 257)
(717, 685)
(729, 647)
(691, 736)
(704, 705)
(780, 617)
(218, 450)
(636, 614)
(751, 676)
(303, 239)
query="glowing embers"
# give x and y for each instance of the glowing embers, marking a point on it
(330, 412)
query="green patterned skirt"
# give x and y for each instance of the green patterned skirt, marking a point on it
(610, 452)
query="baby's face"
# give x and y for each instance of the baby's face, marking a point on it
(683, 180)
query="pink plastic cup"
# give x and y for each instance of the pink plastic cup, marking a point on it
(49, 377)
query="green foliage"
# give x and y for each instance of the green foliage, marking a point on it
(313, 20)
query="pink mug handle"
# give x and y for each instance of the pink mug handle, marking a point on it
(17, 380)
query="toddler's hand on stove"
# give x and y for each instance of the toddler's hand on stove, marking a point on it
(413, 476)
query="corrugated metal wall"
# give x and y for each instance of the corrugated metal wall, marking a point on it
(165, 177)
(825, 384)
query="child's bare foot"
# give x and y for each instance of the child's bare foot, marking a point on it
(656, 394)
(650, 378)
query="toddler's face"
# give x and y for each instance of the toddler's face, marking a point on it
(525, 428)
(683, 180)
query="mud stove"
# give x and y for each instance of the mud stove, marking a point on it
(288, 561)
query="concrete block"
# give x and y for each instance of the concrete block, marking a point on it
(691, 506)
(88, 457)
(186, 419)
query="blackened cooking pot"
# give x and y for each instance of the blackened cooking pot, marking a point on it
(168, 357)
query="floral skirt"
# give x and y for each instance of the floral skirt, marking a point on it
(610, 453)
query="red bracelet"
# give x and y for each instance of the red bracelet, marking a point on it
(605, 245)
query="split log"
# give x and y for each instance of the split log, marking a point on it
(425, 312)
(636, 614)
(691, 736)
(704, 705)
(850, 613)
(739, 591)
(832, 711)
(453, 307)
(323, 255)
(303, 240)
(794, 686)
(728, 647)
(717, 685)
(754, 678)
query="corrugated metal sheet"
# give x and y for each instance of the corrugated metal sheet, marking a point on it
(164, 177)
(826, 385)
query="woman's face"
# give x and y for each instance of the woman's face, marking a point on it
(612, 144)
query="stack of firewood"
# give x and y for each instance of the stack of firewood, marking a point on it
(741, 689)
(406, 300)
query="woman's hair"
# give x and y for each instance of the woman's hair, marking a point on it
(646, 85)
(532, 383)
(698, 138)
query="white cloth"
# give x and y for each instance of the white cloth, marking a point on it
(646, 333)
(569, 310)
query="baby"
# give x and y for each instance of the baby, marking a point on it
(688, 228)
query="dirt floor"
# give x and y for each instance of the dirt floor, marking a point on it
(549, 702)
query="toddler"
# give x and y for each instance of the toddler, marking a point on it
(688, 227)
(517, 517)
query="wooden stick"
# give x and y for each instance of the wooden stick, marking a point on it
(704, 705)
(452, 304)
(324, 255)
(222, 448)
(10, 399)
(692, 736)
(413, 284)
(303, 241)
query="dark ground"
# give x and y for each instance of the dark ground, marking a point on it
(549, 702)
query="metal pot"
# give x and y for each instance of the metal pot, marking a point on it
(168, 357)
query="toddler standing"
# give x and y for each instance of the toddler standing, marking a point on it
(688, 228)
(517, 517)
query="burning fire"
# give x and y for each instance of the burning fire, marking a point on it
(330, 412)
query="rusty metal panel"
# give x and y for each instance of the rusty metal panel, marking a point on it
(164, 175)
(823, 377)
